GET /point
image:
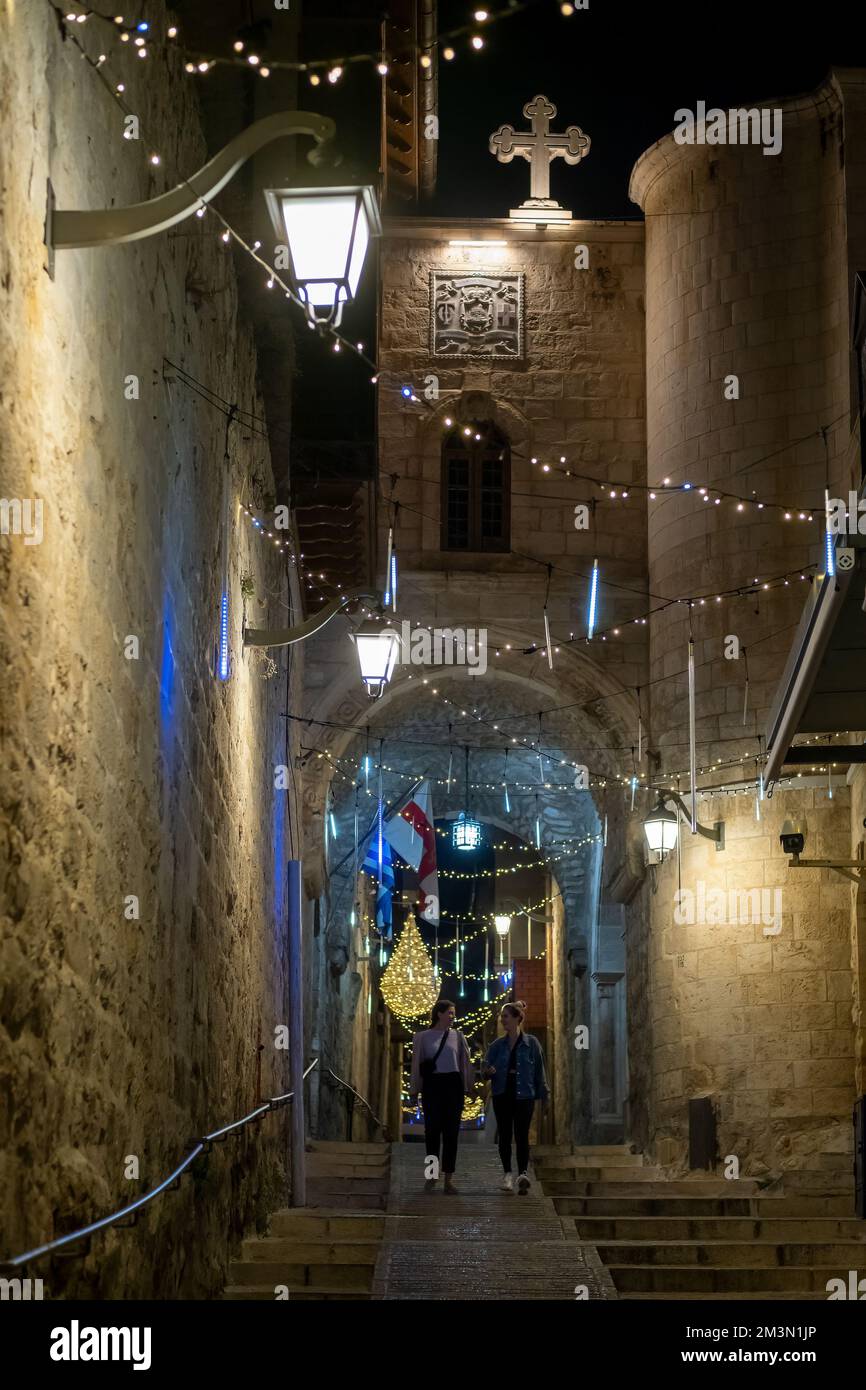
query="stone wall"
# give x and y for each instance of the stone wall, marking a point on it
(126, 1035)
(577, 396)
(575, 402)
(747, 275)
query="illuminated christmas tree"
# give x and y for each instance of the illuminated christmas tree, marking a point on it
(410, 986)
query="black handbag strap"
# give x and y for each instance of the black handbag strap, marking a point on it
(445, 1033)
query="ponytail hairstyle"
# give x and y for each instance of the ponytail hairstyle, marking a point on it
(516, 1010)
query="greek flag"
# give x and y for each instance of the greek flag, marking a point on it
(384, 884)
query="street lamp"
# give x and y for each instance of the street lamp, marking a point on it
(377, 649)
(327, 231)
(376, 646)
(65, 231)
(660, 826)
(502, 923)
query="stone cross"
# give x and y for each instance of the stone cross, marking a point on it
(540, 148)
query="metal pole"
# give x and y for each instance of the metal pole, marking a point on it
(296, 1034)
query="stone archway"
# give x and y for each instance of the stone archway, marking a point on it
(410, 726)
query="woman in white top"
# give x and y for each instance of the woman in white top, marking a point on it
(442, 1072)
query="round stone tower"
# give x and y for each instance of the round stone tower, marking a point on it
(748, 420)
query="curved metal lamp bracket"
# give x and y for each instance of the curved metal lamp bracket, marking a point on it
(67, 231)
(717, 834)
(286, 636)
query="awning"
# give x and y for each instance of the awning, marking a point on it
(823, 689)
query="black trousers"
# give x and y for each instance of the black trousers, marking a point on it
(442, 1099)
(513, 1118)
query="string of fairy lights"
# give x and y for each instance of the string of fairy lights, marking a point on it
(135, 34)
(620, 491)
(138, 37)
(249, 50)
(631, 780)
(474, 784)
(758, 585)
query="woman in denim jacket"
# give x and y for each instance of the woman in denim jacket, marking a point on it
(515, 1065)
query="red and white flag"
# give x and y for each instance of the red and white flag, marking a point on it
(412, 834)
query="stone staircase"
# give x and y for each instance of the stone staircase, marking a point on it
(702, 1238)
(328, 1249)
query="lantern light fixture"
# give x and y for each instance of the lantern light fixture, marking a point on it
(377, 646)
(661, 826)
(466, 832)
(67, 230)
(327, 232)
(377, 649)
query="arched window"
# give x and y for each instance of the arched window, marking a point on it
(476, 489)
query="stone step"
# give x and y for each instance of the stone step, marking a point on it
(690, 1207)
(728, 1228)
(339, 1182)
(653, 1206)
(339, 1146)
(688, 1280)
(326, 1167)
(604, 1187)
(590, 1158)
(605, 1149)
(299, 1275)
(721, 1254)
(819, 1180)
(312, 1251)
(579, 1172)
(735, 1296)
(317, 1222)
(345, 1200)
(248, 1293)
(584, 1150)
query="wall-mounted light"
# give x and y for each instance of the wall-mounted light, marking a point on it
(377, 649)
(478, 252)
(661, 826)
(327, 231)
(71, 230)
(377, 646)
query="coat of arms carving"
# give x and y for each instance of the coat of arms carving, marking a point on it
(477, 316)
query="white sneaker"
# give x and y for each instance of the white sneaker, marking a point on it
(507, 1184)
(523, 1185)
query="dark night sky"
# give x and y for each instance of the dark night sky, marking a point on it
(618, 70)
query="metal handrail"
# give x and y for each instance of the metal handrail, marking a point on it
(381, 1123)
(173, 1180)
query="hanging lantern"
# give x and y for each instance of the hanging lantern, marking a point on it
(410, 986)
(466, 832)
